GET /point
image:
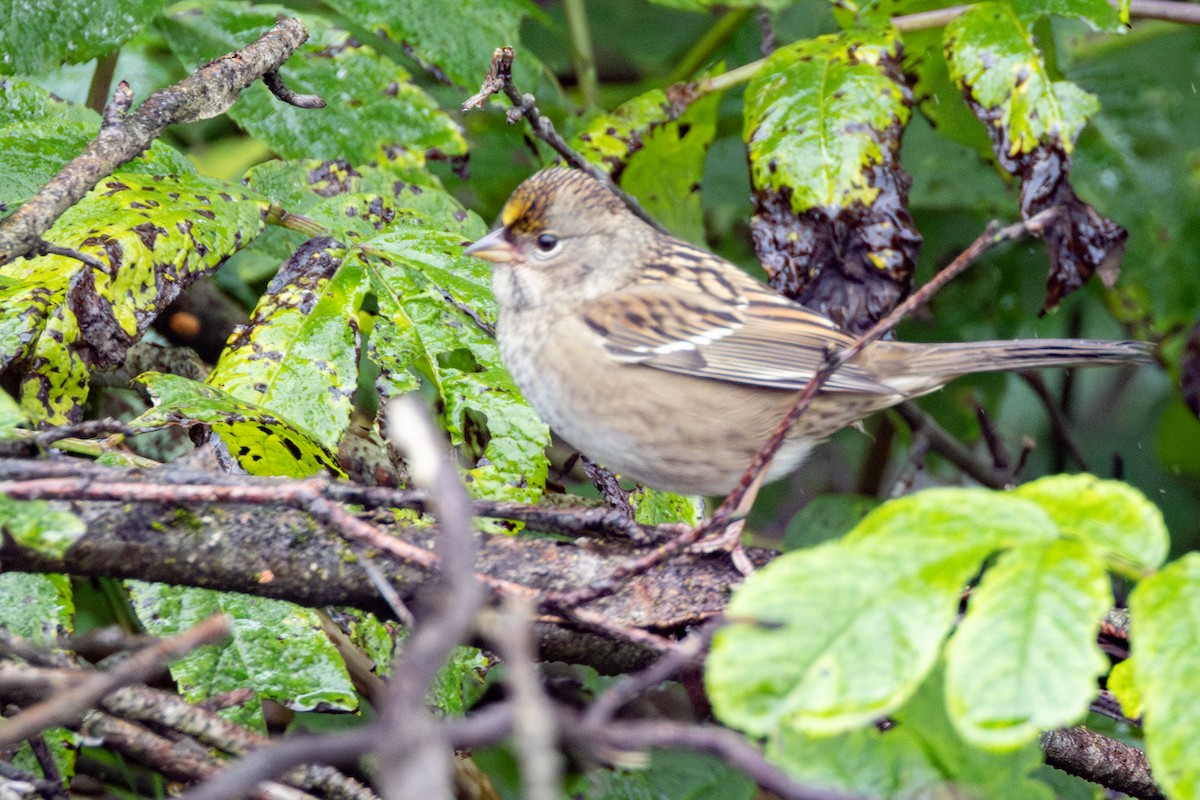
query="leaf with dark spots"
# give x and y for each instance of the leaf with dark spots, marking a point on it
(1033, 123)
(831, 225)
(264, 442)
(325, 192)
(298, 354)
(610, 140)
(91, 316)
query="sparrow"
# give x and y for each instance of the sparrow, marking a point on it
(672, 366)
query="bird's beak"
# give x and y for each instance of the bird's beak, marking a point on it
(494, 247)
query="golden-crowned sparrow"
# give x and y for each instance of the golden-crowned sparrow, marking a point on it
(672, 366)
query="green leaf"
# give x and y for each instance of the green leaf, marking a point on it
(1025, 659)
(456, 37)
(1098, 13)
(40, 608)
(920, 755)
(459, 683)
(298, 354)
(992, 57)
(36, 37)
(153, 235)
(39, 133)
(829, 639)
(665, 173)
(669, 775)
(815, 119)
(608, 140)
(373, 109)
(654, 145)
(39, 526)
(825, 517)
(1122, 684)
(1111, 517)
(263, 443)
(984, 773)
(1165, 642)
(278, 649)
(435, 313)
(868, 762)
(652, 507)
(11, 417)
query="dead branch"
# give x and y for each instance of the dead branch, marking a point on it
(207, 92)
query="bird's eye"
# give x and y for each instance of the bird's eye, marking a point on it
(547, 242)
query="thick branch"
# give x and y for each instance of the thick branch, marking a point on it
(207, 92)
(277, 552)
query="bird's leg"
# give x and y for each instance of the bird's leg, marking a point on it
(729, 538)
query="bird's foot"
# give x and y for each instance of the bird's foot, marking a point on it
(727, 540)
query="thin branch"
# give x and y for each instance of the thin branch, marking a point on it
(67, 706)
(945, 445)
(1058, 418)
(207, 92)
(628, 688)
(499, 79)
(43, 248)
(1167, 10)
(535, 725)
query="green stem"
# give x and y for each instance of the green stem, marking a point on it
(702, 51)
(731, 78)
(581, 53)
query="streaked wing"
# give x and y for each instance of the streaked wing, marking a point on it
(714, 324)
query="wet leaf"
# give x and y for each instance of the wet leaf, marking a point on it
(358, 202)
(823, 120)
(452, 38)
(434, 325)
(263, 443)
(39, 133)
(36, 37)
(278, 649)
(298, 354)
(1033, 123)
(61, 318)
(373, 109)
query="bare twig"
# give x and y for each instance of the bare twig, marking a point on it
(43, 248)
(682, 654)
(944, 444)
(606, 483)
(1059, 422)
(284, 92)
(535, 725)
(1097, 758)
(207, 92)
(67, 706)
(499, 79)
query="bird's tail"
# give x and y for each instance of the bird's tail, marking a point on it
(924, 367)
